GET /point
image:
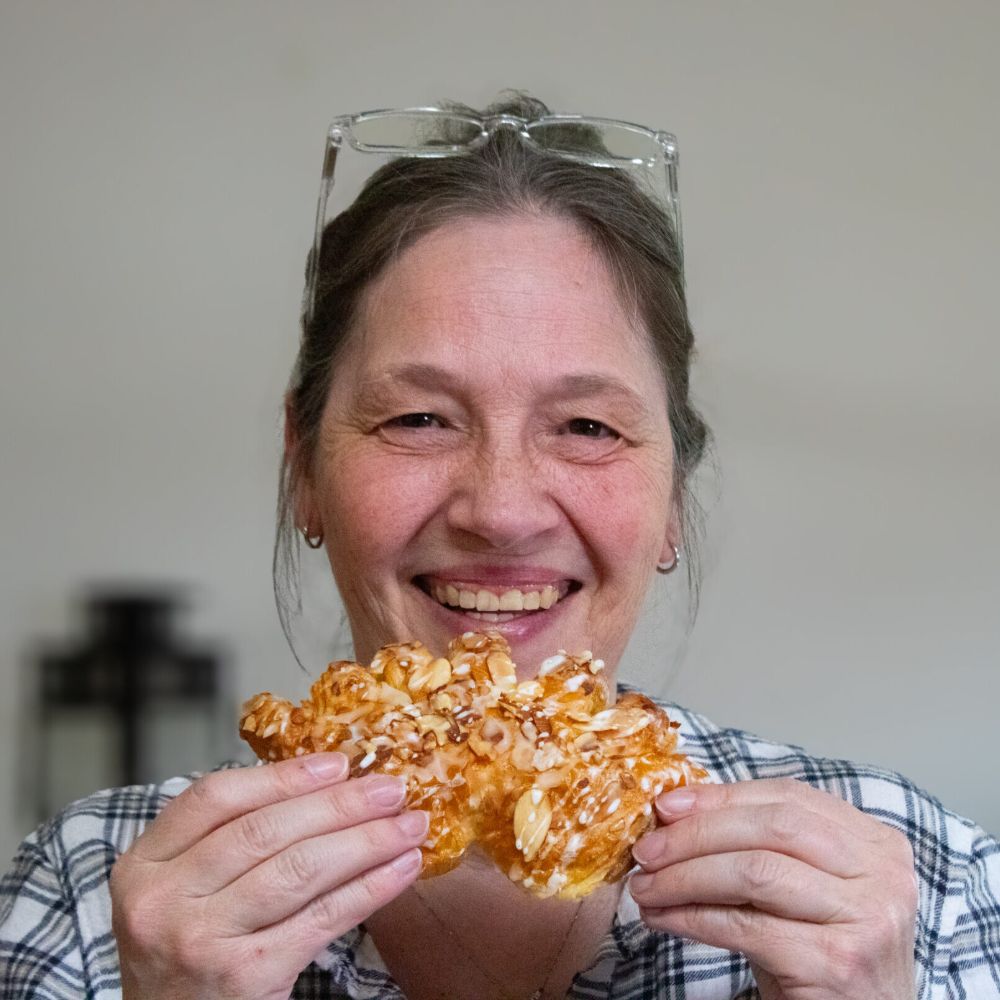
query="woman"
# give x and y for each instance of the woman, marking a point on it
(491, 398)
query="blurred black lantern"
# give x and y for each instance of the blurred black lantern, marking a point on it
(130, 705)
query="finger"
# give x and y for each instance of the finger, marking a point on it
(214, 800)
(773, 883)
(302, 936)
(766, 940)
(783, 827)
(243, 843)
(684, 801)
(283, 885)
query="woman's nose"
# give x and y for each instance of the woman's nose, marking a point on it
(503, 497)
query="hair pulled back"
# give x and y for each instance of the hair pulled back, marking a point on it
(409, 198)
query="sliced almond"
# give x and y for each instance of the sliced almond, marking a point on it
(531, 822)
(436, 724)
(441, 701)
(390, 695)
(529, 689)
(430, 676)
(395, 674)
(502, 670)
(620, 721)
(546, 757)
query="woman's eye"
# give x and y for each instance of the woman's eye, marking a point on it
(585, 427)
(415, 421)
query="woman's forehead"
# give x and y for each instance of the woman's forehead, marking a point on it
(526, 289)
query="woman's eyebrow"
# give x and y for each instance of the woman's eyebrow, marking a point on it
(418, 374)
(433, 378)
(594, 384)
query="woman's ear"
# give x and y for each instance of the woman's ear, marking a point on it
(671, 537)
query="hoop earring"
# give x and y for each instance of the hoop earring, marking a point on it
(669, 567)
(314, 542)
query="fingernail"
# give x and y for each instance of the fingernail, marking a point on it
(638, 884)
(385, 790)
(325, 765)
(408, 863)
(413, 823)
(677, 802)
(648, 848)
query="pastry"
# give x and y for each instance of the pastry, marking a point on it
(551, 781)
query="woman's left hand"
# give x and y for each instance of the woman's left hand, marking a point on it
(819, 896)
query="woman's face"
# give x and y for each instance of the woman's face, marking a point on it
(495, 451)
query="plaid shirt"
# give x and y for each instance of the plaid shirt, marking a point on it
(55, 910)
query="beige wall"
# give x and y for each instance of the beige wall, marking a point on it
(159, 167)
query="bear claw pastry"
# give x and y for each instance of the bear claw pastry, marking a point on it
(551, 781)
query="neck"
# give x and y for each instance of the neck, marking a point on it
(499, 940)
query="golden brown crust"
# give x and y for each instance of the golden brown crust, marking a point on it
(552, 782)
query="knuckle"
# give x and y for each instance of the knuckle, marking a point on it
(698, 829)
(120, 876)
(902, 846)
(742, 920)
(332, 911)
(895, 922)
(232, 978)
(190, 951)
(379, 885)
(384, 837)
(847, 959)
(295, 869)
(760, 869)
(791, 787)
(286, 776)
(783, 824)
(206, 793)
(906, 892)
(134, 920)
(257, 834)
(344, 804)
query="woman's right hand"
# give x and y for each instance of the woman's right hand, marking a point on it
(246, 876)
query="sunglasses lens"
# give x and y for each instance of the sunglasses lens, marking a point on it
(419, 131)
(606, 142)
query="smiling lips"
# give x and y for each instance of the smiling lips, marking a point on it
(503, 602)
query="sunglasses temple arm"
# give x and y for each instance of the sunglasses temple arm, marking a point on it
(675, 206)
(325, 187)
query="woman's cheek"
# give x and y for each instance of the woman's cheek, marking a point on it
(371, 496)
(625, 508)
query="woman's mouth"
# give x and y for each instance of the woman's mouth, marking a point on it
(495, 604)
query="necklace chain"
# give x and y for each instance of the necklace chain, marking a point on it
(539, 993)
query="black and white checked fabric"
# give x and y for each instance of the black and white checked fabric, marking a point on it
(55, 912)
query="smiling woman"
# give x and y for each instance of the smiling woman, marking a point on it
(488, 427)
(473, 470)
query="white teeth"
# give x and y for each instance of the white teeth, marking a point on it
(512, 600)
(486, 601)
